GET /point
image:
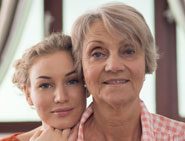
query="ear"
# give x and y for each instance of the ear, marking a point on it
(26, 91)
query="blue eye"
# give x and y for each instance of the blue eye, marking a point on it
(45, 86)
(130, 51)
(73, 82)
(98, 55)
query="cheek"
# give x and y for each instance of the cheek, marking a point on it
(40, 101)
(87, 75)
(77, 98)
(42, 106)
(91, 76)
(77, 95)
(138, 71)
(86, 71)
(91, 71)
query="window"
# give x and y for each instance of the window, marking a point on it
(17, 108)
(181, 69)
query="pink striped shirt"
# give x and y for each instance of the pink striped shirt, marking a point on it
(154, 127)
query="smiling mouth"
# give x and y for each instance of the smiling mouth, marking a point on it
(62, 112)
(115, 82)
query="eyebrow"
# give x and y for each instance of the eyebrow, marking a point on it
(47, 77)
(70, 73)
(43, 77)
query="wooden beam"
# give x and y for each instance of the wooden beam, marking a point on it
(166, 75)
(10, 127)
(53, 16)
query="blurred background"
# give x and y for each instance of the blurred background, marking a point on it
(26, 22)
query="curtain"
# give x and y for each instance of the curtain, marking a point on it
(7, 13)
(13, 16)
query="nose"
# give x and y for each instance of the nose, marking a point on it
(114, 63)
(60, 95)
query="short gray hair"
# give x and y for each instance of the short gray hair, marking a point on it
(117, 18)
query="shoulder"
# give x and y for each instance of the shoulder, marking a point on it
(164, 125)
(12, 137)
(160, 127)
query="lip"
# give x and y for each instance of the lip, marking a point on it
(115, 81)
(62, 112)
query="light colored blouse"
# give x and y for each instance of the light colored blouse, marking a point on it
(154, 127)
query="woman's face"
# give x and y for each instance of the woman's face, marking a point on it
(114, 66)
(56, 91)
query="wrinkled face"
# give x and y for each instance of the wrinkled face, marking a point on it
(114, 66)
(56, 91)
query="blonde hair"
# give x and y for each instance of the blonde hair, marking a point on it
(55, 42)
(120, 19)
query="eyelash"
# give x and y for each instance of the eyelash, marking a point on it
(73, 81)
(130, 51)
(45, 86)
(98, 54)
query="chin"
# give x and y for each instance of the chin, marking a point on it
(64, 126)
(119, 99)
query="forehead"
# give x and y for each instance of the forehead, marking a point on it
(57, 55)
(57, 62)
(98, 31)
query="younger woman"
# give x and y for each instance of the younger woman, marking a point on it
(47, 77)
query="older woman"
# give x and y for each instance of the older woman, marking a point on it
(114, 48)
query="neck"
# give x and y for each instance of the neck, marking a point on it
(117, 123)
